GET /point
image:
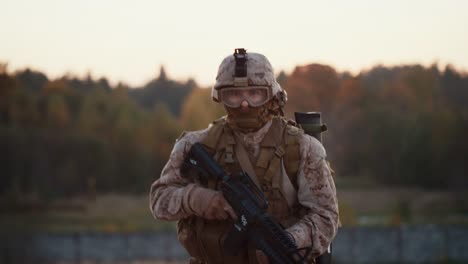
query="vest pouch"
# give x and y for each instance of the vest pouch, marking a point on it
(212, 239)
(278, 206)
(186, 234)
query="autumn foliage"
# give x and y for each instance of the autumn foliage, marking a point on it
(402, 125)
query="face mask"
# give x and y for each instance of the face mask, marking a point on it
(247, 121)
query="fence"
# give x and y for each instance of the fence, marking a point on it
(419, 244)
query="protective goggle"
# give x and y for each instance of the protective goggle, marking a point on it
(234, 96)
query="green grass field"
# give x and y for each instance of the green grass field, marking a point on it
(108, 213)
(124, 213)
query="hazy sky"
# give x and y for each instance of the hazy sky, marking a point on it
(129, 40)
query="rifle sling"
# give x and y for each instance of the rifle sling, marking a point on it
(244, 161)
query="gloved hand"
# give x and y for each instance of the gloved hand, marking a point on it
(210, 204)
(261, 257)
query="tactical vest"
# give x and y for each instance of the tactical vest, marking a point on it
(277, 162)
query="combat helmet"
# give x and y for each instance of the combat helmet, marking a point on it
(243, 70)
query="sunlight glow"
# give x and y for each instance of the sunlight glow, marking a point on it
(129, 40)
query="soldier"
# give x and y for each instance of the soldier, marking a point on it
(288, 165)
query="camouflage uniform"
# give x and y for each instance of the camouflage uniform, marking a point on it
(311, 217)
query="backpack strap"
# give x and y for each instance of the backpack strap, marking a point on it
(292, 156)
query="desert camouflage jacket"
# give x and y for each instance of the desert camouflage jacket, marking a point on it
(170, 194)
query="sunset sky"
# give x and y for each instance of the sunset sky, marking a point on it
(127, 40)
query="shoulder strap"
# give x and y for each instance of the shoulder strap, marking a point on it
(219, 128)
(245, 163)
(211, 141)
(292, 156)
(214, 133)
(275, 156)
(287, 150)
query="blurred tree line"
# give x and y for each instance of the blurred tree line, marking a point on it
(69, 136)
(401, 125)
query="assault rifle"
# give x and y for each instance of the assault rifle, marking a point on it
(254, 224)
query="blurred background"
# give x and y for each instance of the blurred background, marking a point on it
(93, 95)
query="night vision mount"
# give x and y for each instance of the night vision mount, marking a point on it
(240, 74)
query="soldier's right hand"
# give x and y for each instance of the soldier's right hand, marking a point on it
(211, 204)
(218, 208)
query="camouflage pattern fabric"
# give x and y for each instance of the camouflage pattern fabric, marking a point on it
(170, 195)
